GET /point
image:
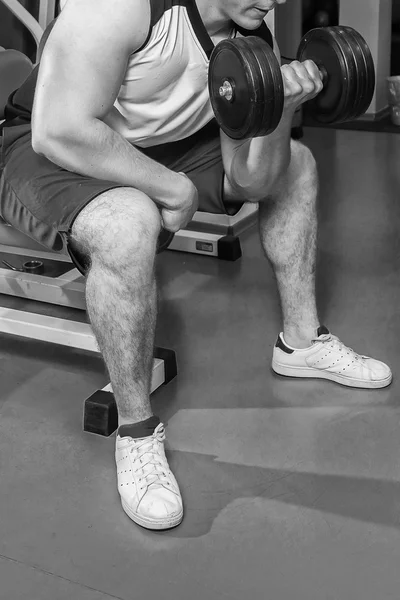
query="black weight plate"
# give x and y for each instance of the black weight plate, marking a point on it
(368, 62)
(371, 77)
(278, 89)
(322, 47)
(233, 61)
(357, 80)
(365, 56)
(361, 76)
(273, 91)
(253, 44)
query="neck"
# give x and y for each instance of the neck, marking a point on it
(214, 19)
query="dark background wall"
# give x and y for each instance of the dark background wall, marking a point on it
(322, 13)
(316, 13)
(396, 38)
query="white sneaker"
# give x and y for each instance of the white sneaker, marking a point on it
(149, 492)
(329, 358)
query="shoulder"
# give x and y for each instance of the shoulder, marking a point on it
(159, 7)
(125, 22)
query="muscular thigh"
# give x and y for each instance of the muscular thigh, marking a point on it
(39, 198)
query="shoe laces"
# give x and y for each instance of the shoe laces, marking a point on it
(337, 344)
(148, 456)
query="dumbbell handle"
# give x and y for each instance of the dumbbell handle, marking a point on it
(226, 90)
(324, 74)
(322, 71)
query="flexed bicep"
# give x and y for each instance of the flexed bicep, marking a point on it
(84, 62)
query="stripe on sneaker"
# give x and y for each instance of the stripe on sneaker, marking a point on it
(322, 330)
(282, 346)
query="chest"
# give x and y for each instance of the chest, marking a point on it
(173, 54)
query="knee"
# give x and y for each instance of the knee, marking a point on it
(299, 182)
(298, 175)
(119, 228)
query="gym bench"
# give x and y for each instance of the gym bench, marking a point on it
(61, 284)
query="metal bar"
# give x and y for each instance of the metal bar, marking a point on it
(64, 333)
(26, 18)
(59, 291)
(47, 329)
(226, 220)
(32, 252)
(47, 12)
(71, 276)
(245, 218)
(193, 241)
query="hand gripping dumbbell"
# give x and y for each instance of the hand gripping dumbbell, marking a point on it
(246, 84)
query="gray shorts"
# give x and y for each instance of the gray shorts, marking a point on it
(42, 200)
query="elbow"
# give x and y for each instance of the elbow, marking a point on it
(253, 183)
(39, 145)
(37, 137)
(53, 142)
(59, 140)
(265, 183)
(50, 132)
(258, 187)
(40, 131)
(43, 139)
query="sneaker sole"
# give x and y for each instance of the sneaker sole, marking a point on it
(311, 373)
(150, 523)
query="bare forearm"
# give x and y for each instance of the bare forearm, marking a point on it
(259, 162)
(95, 150)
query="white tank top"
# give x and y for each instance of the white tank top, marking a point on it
(164, 96)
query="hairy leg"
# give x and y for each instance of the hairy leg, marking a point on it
(288, 231)
(118, 232)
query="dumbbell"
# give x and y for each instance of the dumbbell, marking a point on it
(246, 85)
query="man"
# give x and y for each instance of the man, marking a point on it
(122, 144)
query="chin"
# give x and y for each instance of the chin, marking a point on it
(249, 23)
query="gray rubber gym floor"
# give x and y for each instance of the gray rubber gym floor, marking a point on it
(291, 488)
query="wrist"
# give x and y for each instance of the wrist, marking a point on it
(173, 188)
(288, 114)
